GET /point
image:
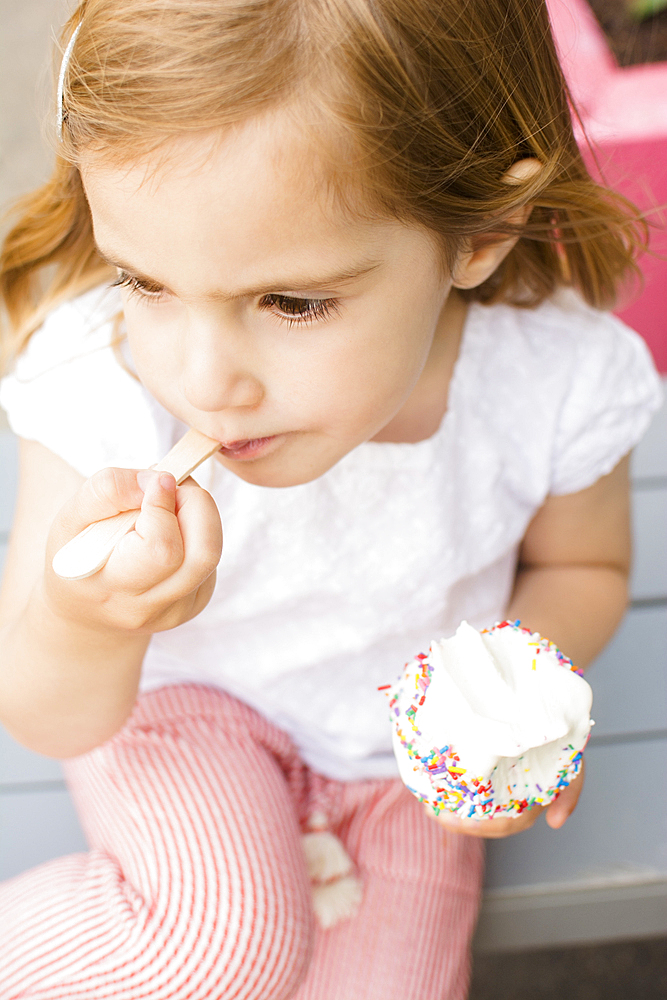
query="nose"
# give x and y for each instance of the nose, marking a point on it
(219, 368)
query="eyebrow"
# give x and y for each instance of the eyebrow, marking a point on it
(294, 282)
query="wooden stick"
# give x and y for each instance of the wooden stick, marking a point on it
(88, 551)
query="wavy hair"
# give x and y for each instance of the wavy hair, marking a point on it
(433, 101)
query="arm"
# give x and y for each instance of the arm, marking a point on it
(571, 585)
(72, 650)
(572, 579)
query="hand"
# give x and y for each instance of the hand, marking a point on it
(160, 574)
(507, 826)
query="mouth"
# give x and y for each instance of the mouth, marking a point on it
(250, 447)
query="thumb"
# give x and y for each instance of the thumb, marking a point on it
(563, 807)
(156, 544)
(158, 501)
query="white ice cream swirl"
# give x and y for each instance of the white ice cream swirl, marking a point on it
(491, 722)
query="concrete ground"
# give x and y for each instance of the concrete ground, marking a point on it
(630, 970)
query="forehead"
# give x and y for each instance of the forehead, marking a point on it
(260, 192)
(269, 150)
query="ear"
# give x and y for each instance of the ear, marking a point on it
(475, 266)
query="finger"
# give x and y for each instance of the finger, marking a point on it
(156, 524)
(106, 493)
(563, 807)
(186, 608)
(203, 594)
(196, 536)
(488, 829)
(159, 490)
(201, 530)
(154, 551)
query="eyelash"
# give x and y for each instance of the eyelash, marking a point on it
(291, 310)
(125, 280)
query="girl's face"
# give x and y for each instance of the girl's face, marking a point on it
(260, 313)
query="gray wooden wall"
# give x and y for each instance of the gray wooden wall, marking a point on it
(604, 874)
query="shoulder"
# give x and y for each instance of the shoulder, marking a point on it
(73, 391)
(562, 332)
(562, 344)
(70, 332)
(564, 389)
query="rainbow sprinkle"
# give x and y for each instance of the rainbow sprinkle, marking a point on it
(455, 789)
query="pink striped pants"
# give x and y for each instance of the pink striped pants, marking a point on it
(195, 885)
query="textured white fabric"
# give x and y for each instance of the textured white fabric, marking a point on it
(324, 590)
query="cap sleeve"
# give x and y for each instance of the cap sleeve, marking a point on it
(71, 392)
(613, 392)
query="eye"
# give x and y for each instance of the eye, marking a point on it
(294, 310)
(145, 289)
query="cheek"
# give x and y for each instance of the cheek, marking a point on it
(153, 354)
(397, 345)
(365, 380)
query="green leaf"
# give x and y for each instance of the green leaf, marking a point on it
(641, 10)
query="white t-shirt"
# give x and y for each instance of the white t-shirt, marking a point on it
(324, 590)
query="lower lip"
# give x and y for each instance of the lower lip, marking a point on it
(250, 449)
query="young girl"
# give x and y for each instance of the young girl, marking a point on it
(354, 242)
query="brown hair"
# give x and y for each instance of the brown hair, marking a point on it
(433, 99)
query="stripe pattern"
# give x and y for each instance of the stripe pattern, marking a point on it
(195, 887)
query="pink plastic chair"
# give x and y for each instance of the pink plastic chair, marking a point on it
(624, 114)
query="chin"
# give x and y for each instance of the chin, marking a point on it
(273, 475)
